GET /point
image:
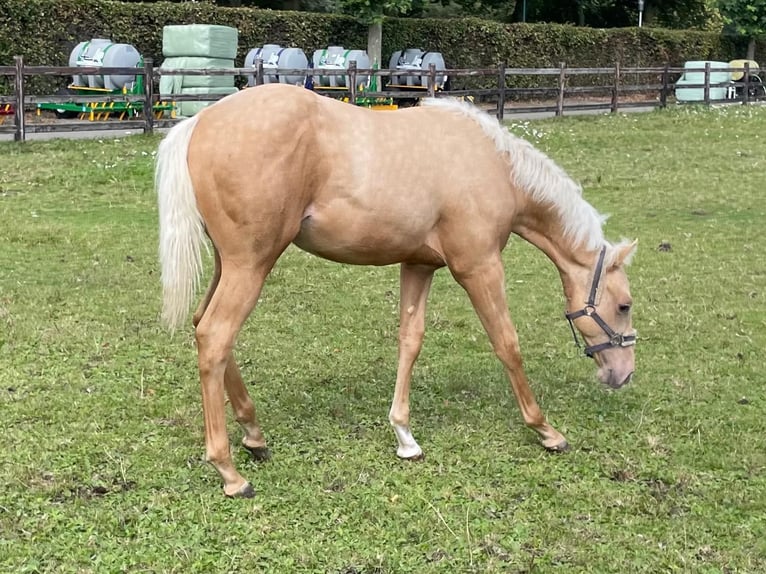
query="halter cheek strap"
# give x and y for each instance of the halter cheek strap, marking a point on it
(615, 339)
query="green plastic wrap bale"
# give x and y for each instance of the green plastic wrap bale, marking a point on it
(190, 108)
(174, 84)
(203, 40)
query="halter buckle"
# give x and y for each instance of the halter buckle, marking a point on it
(617, 340)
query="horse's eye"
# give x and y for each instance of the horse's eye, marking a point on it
(624, 307)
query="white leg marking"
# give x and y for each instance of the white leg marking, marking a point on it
(408, 448)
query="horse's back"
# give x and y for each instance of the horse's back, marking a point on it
(350, 184)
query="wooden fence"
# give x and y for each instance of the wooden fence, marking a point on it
(621, 88)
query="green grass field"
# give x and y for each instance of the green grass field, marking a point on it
(101, 465)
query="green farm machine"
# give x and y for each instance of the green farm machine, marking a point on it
(104, 53)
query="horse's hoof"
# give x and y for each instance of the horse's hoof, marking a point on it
(563, 446)
(416, 458)
(245, 491)
(259, 453)
(412, 457)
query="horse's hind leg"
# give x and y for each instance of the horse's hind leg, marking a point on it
(234, 298)
(415, 282)
(244, 411)
(484, 284)
(210, 290)
(241, 403)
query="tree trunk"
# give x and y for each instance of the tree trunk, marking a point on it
(374, 41)
(751, 49)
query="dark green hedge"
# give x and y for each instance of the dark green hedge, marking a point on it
(45, 31)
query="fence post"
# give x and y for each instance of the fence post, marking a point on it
(706, 92)
(432, 80)
(746, 87)
(148, 96)
(352, 81)
(259, 72)
(664, 89)
(562, 83)
(18, 88)
(616, 89)
(501, 92)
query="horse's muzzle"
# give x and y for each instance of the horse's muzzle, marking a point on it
(614, 379)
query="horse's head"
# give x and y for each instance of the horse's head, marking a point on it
(605, 320)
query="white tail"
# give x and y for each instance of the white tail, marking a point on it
(181, 230)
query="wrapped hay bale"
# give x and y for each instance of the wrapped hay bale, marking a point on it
(202, 40)
(195, 47)
(186, 109)
(174, 84)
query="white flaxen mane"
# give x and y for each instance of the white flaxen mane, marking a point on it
(538, 175)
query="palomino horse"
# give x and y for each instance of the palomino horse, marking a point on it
(263, 168)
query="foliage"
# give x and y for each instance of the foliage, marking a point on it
(33, 28)
(689, 14)
(675, 14)
(501, 10)
(101, 468)
(746, 17)
(373, 11)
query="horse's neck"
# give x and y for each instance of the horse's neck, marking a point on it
(541, 225)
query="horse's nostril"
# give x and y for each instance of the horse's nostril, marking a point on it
(626, 381)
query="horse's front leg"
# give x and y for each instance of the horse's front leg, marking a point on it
(415, 282)
(485, 284)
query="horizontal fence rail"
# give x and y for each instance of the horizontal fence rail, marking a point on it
(617, 88)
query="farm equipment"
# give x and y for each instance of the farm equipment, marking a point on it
(338, 58)
(104, 53)
(723, 84)
(694, 75)
(417, 59)
(5, 111)
(275, 57)
(756, 88)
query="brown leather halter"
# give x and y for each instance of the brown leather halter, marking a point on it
(615, 339)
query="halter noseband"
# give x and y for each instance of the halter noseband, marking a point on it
(615, 339)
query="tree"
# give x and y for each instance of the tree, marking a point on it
(747, 18)
(371, 12)
(585, 7)
(679, 14)
(500, 10)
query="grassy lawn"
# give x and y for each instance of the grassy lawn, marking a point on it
(101, 465)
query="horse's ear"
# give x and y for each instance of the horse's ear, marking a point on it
(624, 254)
